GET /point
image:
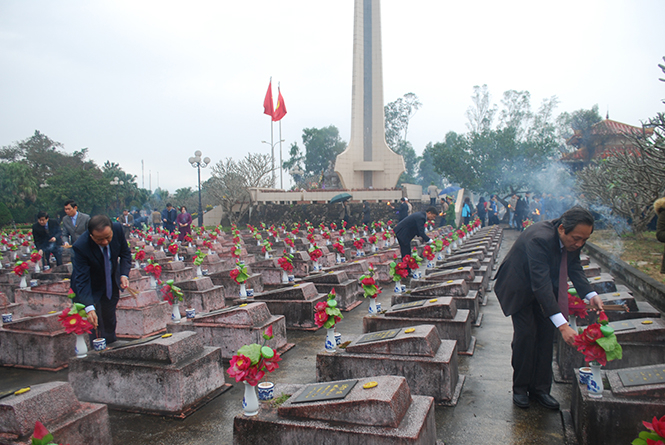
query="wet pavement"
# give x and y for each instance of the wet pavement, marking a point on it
(484, 412)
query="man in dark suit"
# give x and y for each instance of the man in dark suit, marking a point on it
(412, 226)
(169, 215)
(101, 268)
(48, 238)
(527, 286)
(403, 210)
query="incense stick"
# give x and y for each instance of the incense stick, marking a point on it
(611, 307)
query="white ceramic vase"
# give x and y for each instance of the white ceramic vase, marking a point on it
(595, 384)
(81, 346)
(285, 277)
(250, 401)
(243, 291)
(24, 283)
(372, 307)
(175, 313)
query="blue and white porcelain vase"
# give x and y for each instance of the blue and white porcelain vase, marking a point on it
(595, 383)
(372, 306)
(331, 343)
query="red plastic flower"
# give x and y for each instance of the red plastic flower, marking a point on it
(271, 364)
(369, 281)
(320, 317)
(234, 274)
(576, 306)
(173, 249)
(602, 318)
(254, 376)
(359, 243)
(74, 323)
(239, 367)
(140, 255)
(657, 426)
(285, 264)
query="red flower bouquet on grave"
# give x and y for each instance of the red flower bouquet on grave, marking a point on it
(286, 262)
(315, 253)
(252, 362)
(370, 289)
(526, 223)
(153, 268)
(139, 255)
(410, 262)
(75, 319)
(326, 314)
(161, 241)
(310, 237)
(339, 248)
(333, 226)
(359, 243)
(267, 246)
(598, 342)
(427, 253)
(35, 256)
(398, 270)
(372, 239)
(239, 273)
(173, 248)
(172, 293)
(188, 238)
(655, 435)
(21, 268)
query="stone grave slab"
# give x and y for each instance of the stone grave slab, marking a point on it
(232, 327)
(461, 273)
(349, 293)
(295, 302)
(428, 363)
(470, 300)
(354, 269)
(176, 271)
(231, 288)
(602, 284)
(202, 295)
(55, 405)
(37, 342)
(363, 416)
(642, 381)
(627, 412)
(474, 263)
(171, 376)
(141, 315)
(591, 270)
(585, 260)
(452, 324)
(469, 255)
(37, 302)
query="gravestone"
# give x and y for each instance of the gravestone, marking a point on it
(57, 408)
(170, 376)
(349, 293)
(442, 312)
(377, 410)
(235, 326)
(428, 363)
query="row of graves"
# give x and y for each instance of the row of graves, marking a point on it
(236, 293)
(219, 301)
(616, 368)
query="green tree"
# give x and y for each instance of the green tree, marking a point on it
(5, 215)
(580, 122)
(397, 116)
(321, 148)
(503, 159)
(426, 170)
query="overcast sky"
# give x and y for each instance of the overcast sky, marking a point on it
(156, 80)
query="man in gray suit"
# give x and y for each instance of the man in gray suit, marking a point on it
(74, 224)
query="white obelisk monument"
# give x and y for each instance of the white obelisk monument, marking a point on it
(368, 162)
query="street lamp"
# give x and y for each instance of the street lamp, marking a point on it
(272, 151)
(198, 164)
(120, 183)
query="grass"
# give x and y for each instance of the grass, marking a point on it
(645, 253)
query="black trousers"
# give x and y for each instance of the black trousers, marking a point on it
(404, 247)
(105, 309)
(533, 340)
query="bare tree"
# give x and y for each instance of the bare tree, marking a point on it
(481, 113)
(231, 181)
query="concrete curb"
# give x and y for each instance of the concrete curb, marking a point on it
(650, 289)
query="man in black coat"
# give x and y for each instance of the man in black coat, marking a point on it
(48, 238)
(412, 226)
(101, 268)
(527, 286)
(403, 210)
(169, 215)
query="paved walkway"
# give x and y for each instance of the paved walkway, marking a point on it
(484, 413)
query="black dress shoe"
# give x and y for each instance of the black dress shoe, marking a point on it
(547, 401)
(521, 400)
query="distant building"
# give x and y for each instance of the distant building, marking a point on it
(602, 140)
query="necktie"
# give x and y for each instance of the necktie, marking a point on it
(563, 284)
(107, 272)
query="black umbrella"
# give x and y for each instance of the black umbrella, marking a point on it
(341, 197)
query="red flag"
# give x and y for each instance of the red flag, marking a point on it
(267, 102)
(280, 111)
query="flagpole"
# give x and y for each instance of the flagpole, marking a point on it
(281, 184)
(272, 149)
